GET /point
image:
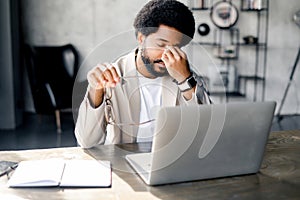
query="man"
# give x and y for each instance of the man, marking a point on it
(117, 109)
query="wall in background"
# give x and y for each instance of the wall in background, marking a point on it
(93, 26)
(10, 72)
(284, 41)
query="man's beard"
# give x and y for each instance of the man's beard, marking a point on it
(150, 65)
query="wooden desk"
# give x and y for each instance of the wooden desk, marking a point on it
(279, 177)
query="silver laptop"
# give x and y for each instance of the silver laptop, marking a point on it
(205, 141)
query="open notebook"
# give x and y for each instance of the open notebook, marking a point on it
(63, 173)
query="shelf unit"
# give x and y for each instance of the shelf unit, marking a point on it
(258, 10)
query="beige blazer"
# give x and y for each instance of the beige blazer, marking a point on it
(91, 127)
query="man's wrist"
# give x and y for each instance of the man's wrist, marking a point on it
(189, 83)
(95, 97)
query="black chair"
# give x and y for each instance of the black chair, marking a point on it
(52, 71)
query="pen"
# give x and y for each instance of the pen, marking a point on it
(10, 169)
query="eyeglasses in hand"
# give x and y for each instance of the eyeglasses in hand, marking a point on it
(109, 112)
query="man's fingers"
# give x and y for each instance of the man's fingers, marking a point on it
(101, 67)
(115, 75)
(180, 52)
(94, 81)
(109, 78)
(113, 72)
(103, 75)
(97, 72)
(171, 51)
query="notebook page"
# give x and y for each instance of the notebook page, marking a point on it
(37, 173)
(86, 173)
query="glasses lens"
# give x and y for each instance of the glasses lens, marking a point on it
(108, 112)
(108, 93)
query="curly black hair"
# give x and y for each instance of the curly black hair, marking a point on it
(165, 12)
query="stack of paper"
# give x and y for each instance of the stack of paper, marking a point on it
(63, 173)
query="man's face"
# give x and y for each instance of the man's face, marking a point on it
(153, 46)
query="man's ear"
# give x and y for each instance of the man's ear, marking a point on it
(140, 38)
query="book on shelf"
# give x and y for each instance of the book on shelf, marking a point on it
(61, 173)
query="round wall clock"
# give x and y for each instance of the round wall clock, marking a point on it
(224, 14)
